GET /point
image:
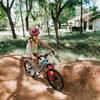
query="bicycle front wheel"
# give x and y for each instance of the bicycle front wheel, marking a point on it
(29, 68)
(55, 79)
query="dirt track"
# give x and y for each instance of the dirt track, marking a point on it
(81, 79)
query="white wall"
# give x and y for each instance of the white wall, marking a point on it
(96, 24)
(74, 23)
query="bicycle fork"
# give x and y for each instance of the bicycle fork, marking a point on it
(50, 74)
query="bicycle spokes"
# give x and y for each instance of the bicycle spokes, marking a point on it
(29, 68)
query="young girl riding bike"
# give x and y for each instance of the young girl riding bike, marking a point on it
(32, 46)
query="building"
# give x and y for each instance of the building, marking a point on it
(91, 22)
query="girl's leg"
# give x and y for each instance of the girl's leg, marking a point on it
(36, 62)
(36, 55)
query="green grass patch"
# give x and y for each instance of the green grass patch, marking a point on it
(72, 46)
(11, 45)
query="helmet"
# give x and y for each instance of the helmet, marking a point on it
(34, 31)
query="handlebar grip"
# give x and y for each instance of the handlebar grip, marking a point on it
(39, 57)
(52, 52)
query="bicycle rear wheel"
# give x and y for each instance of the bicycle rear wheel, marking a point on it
(55, 79)
(29, 68)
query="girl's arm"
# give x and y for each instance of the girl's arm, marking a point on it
(45, 44)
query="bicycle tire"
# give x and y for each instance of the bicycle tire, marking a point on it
(60, 77)
(27, 71)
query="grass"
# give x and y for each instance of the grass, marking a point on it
(8, 46)
(71, 46)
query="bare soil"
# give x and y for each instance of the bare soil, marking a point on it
(81, 81)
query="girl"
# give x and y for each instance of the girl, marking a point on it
(32, 47)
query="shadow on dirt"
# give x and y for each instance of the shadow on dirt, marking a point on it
(81, 81)
(10, 45)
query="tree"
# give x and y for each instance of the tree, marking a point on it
(7, 10)
(67, 13)
(93, 8)
(81, 30)
(44, 4)
(28, 11)
(21, 13)
(47, 19)
(56, 9)
(81, 3)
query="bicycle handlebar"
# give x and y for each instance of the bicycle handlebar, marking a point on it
(45, 55)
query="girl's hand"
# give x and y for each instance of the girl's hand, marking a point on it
(53, 49)
(33, 58)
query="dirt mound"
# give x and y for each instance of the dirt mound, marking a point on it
(86, 72)
(81, 81)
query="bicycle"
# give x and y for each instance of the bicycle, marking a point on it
(52, 75)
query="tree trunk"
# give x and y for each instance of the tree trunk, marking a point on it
(55, 21)
(56, 17)
(11, 24)
(81, 28)
(59, 24)
(27, 26)
(22, 18)
(47, 21)
(28, 11)
(56, 31)
(48, 27)
(23, 26)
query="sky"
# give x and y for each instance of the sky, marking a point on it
(98, 3)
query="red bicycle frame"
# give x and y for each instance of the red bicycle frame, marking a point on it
(49, 67)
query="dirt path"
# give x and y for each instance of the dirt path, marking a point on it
(81, 79)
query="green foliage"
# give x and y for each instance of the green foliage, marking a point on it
(42, 3)
(2, 15)
(66, 14)
(3, 21)
(93, 8)
(86, 1)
